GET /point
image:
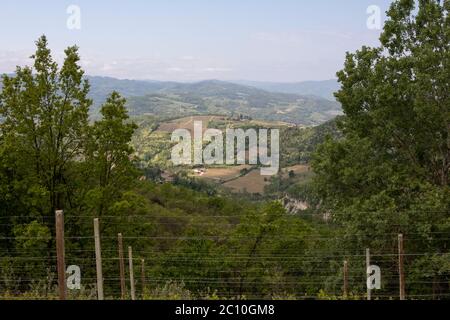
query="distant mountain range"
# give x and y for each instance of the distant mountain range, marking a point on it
(172, 99)
(324, 89)
(102, 85)
(303, 103)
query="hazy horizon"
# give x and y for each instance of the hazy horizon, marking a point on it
(210, 79)
(287, 41)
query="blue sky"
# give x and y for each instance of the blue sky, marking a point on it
(186, 40)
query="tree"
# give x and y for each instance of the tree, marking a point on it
(110, 153)
(390, 172)
(291, 174)
(45, 112)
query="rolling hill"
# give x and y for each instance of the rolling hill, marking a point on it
(218, 97)
(167, 100)
(323, 89)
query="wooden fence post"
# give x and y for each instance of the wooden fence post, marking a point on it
(121, 267)
(345, 279)
(369, 293)
(98, 260)
(60, 254)
(400, 267)
(130, 261)
(143, 277)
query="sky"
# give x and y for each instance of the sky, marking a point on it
(191, 40)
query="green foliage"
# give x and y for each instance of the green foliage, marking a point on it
(170, 291)
(32, 236)
(52, 158)
(384, 171)
(109, 153)
(45, 112)
(298, 144)
(390, 172)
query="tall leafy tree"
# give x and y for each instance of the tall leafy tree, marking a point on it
(45, 111)
(110, 154)
(391, 171)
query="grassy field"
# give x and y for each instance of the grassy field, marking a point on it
(252, 182)
(188, 123)
(222, 174)
(218, 122)
(297, 169)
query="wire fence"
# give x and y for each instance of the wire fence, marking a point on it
(206, 266)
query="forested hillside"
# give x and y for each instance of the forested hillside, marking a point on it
(170, 99)
(324, 89)
(214, 97)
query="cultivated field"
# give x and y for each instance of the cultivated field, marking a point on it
(252, 182)
(222, 174)
(297, 169)
(188, 123)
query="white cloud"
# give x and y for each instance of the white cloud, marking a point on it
(10, 59)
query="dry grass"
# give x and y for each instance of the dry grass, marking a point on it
(223, 174)
(188, 123)
(253, 182)
(297, 169)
